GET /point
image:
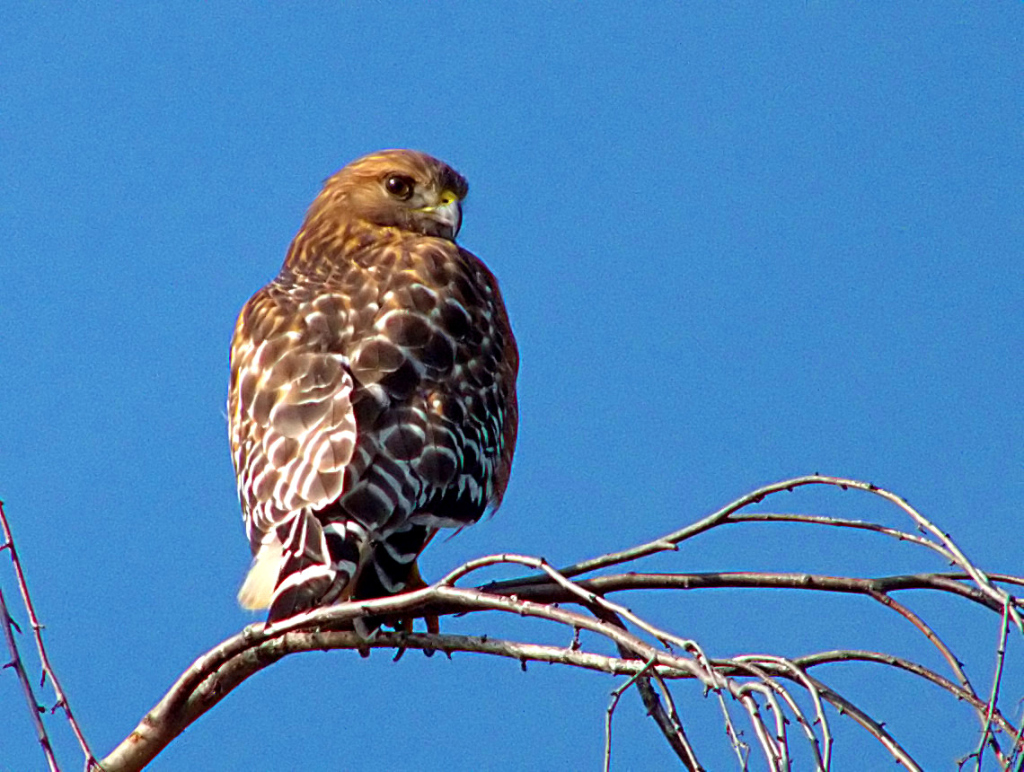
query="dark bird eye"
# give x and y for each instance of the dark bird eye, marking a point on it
(399, 186)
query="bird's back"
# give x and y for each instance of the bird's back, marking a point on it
(372, 402)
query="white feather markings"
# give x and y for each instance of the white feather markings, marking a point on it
(258, 589)
(307, 574)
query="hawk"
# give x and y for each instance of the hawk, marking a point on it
(373, 390)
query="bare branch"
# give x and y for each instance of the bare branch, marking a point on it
(830, 657)
(616, 694)
(986, 729)
(179, 708)
(838, 522)
(652, 658)
(807, 683)
(37, 632)
(872, 726)
(673, 725)
(533, 589)
(667, 721)
(930, 634)
(945, 546)
(34, 708)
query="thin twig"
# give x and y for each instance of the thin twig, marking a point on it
(768, 687)
(37, 632)
(994, 694)
(616, 695)
(873, 727)
(977, 575)
(1017, 751)
(946, 546)
(540, 592)
(839, 522)
(739, 747)
(567, 584)
(802, 678)
(850, 655)
(930, 634)
(666, 721)
(1017, 759)
(34, 708)
(689, 754)
(771, 752)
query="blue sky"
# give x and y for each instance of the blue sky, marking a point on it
(738, 243)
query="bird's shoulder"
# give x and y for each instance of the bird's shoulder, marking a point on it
(423, 295)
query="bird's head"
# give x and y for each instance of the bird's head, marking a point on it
(403, 189)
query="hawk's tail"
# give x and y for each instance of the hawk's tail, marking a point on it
(303, 565)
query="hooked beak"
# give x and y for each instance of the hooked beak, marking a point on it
(447, 214)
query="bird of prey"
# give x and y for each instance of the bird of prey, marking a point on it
(373, 390)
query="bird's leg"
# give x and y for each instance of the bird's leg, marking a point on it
(415, 582)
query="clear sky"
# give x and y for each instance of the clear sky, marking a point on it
(738, 243)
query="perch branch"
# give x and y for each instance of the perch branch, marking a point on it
(761, 685)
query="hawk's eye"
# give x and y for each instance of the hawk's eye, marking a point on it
(399, 186)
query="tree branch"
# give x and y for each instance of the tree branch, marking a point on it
(764, 687)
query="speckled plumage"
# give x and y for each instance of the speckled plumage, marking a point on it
(372, 396)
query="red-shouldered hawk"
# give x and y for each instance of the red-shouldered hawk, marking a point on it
(373, 389)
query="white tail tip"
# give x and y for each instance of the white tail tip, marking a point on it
(258, 589)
